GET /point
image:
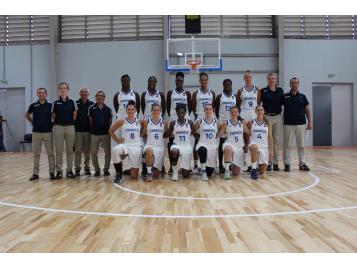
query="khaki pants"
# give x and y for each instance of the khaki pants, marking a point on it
(37, 140)
(82, 142)
(289, 132)
(95, 141)
(277, 126)
(64, 134)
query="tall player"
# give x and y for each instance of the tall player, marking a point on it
(129, 144)
(151, 96)
(223, 103)
(247, 101)
(181, 129)
(260, 143)
(233, 146)
(200, 98)
(154, 150)
(178, 95)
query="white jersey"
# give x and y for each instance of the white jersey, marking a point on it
(235, 133)
(203, 98)
(149, 100)
(123, 99)
(208, 132)
(131, 132)
(155, 133)
(248, 98)
(259, 133)
(226, 103)
(182, 133)
(177, 97)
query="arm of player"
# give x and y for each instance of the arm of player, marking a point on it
(163, 104)
(137, 102)
(259, 96)
(221, 129)
(239, 101)
(189, 102)
(143, 104)
(116, 125)
(143, 130)
(217, 103)
(193, 130)
(168, 102)
(194, 103)
(169, 130)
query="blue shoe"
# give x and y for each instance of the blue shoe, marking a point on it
(254, 174)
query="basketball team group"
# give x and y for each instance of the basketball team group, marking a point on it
(231, 131)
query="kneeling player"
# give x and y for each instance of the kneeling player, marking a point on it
(129, 146)
(260, 143)
(233, 146)
(154, 150)
(181, 150)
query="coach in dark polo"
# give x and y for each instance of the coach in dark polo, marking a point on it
(41, 122)
(82, 138)
(271, 98)
(296, 110)
(100, 119)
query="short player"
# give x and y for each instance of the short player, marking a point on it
(129, 145)
(154, 150)
(260, 143)
(181, 150)
(233, 146)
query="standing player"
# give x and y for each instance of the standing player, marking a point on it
(260, 143)
(129, 145)
(154, 150)
(182, 128)
(151, 96)
(247, 101)
(178, 95)
(200, 98)
(223, 103)
(126, 94)
(234, 127)
(207, 145)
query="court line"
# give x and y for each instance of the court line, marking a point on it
(316, 182)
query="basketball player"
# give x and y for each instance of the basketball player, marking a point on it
(129, 144)
(260, 142)
(125, 95)
(223, 103)
(200, 98)
(151, 96)
(247, 101)
(178, 95)
(154, 150)
(182, 128)
(233, 151)
(207, 146)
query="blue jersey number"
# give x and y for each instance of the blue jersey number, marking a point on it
(132, 136)
(156, 136)
(259, 136)
(209, 136)
(250, 104)
(182, 138)
(236, 139)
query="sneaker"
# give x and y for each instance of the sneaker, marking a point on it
(59, 175)
(254, 174)
(287, 168)
(269, 168)
(170, 171)
(148, 177)
(70, 175)
(87, 172)
(34, 177)
(196, 170)
(227, 176)
(276, 167)
(52, 176)
(174, 176)
(118, 178)
(106, 173)
(97, 173)
(77, 172)
(204, 176)
(304, 167)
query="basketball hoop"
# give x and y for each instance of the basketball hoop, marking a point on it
(194, 65)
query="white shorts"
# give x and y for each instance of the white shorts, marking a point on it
(263, 154)
(159, 153)
(211, 154)
(248, 114)
(185, 155)
(133, 160)
(238, 154)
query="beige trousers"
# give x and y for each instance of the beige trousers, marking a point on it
(64, 135)
(95, 141)
(277, 127)
(82, 143)
(289, 132)
(37, 140)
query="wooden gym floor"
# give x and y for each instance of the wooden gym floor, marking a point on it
(296, 212)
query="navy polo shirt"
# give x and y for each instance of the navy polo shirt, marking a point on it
(272, 100)
(294, 108)
(100, 119)
(64, 111)
(41, 116)
(82, 121)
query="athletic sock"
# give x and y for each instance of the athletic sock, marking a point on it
(254, 165)
(226, 166)
(118, 168)
(175, 169)
(149, 169)
(203, 166)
